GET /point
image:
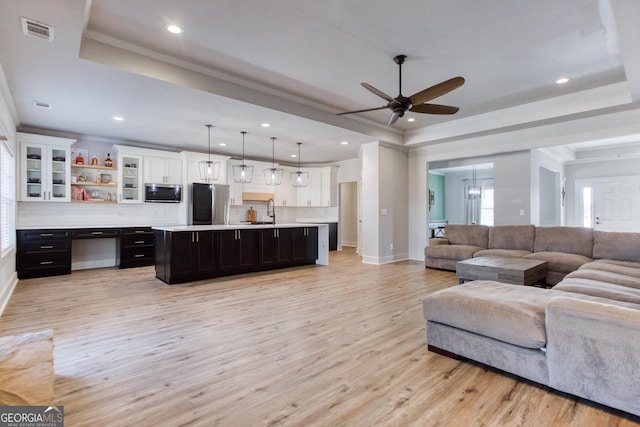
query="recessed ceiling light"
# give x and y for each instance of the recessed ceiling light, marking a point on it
(411, 119)
(265, 125)
(118, 118)
(562, 80)
(294, 155)
(222, 144)
(345, 143)
(174, 29)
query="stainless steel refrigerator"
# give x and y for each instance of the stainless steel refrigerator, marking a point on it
(209, 204)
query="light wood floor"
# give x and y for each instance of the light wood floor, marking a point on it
(327, 346)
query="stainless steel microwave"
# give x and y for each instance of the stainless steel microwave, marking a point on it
(162, 193)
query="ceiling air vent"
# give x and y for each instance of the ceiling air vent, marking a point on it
(37, 29)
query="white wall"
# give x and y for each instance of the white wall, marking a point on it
(512, 188)
(546, 205)
(348, 215)
(385, 199)
(369, 242)
(348, 170)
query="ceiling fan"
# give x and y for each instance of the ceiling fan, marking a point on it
(416, 102)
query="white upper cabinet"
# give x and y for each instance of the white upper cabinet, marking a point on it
(162, 169)
(45, 168)
(321, 189)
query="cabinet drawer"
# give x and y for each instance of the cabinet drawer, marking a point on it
(36, 235)
(42, 262)
(52, 246)
(138, 240)
(138, 253)
(137, 231)
(137, 257)
(95, 233)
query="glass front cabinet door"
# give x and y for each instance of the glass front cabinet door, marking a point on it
(45, 170)
(130, 178)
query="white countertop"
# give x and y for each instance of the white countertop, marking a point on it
(317, 220)
(173, 228)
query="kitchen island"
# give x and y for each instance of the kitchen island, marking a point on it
(187, 253)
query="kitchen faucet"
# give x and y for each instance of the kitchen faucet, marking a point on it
(271, 210)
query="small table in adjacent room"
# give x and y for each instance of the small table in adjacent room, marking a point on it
(517, 271)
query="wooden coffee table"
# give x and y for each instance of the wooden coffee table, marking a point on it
(517, 271)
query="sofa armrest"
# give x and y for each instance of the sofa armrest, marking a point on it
(435, 241)
(593, 351)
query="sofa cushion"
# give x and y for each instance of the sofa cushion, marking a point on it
(561, 262)
(596, 288)
(606, 277)
(616, 245)
(508, 253)
(509, 313)
(467, 234)
(457, 252)
(519, 237)
(623, 267)
(571, 240)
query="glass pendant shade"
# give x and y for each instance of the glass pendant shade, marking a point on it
(273, 175)
(242, 173)
(299, 178)
(474, 191)
(209, 170)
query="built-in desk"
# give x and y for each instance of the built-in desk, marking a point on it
(47, 252)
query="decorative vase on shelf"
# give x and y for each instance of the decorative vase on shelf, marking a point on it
(108, 162)
(79, 160)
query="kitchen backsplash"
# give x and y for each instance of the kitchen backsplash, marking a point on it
(35, 214)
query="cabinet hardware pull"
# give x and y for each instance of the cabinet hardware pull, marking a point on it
(139, 231)
(139, 242)
(139, 255)
(46, 247)
(197, 237)
(97, 233)
(46, 234)
(46, 262)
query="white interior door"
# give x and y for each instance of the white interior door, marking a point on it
(616, 204)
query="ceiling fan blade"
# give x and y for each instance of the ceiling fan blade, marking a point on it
(377, 92)
(362, 111)
(393, 118)
(436, 91)
(434, 109)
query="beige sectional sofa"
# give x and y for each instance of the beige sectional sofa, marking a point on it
(580, 337)
(564, 248)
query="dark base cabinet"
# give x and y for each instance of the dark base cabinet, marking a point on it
(43, 253)
(183, 256)
(47, 252)
(135, 248)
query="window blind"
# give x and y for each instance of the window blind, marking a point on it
(7, 199)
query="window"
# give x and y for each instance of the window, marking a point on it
(486, 207)
(7, 200)
(586, 207)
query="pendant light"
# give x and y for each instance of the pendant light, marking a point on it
(299, 178)
(242, 173)
(273, 175)
(209, 170)
(474, 191)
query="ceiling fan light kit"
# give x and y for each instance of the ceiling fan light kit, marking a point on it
(273, 175)
(299, 178)
(209, 170)
(415, 103)
(242, 173)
